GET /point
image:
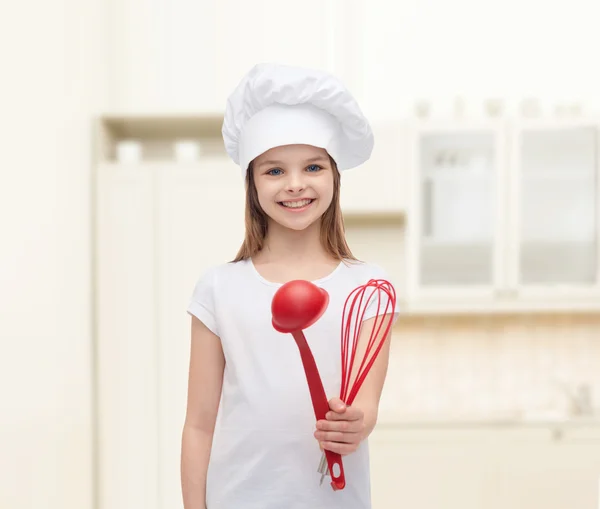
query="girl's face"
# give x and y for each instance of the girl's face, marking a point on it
(294, 184)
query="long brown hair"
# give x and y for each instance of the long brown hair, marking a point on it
(333, 236)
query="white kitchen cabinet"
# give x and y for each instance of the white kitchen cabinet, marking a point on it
(379, 186)
(187, 56)
(486, 466)
(199, 223)
(126, 338)
(160, 224)
(163, 56)
(375, 239)
(503, 216)
(554, 208)
(455, 211)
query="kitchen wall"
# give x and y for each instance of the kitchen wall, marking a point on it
(52, 84)
(492, 366)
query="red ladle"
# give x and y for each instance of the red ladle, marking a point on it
(296, 306)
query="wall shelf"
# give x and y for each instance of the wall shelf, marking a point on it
(157, 133)
(376, 219)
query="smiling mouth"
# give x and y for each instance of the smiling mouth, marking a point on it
(296, 204)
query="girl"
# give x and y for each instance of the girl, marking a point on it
(249, 439)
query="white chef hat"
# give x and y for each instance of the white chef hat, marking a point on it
(277, 105)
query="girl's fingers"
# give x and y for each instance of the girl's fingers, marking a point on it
(350, 414)
(340, 448)
(337, 436)
(343, 426)
(337, 405)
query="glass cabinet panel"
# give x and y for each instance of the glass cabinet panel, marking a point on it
(458, 190)
(558, 201)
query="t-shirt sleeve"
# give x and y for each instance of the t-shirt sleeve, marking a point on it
(202, 302)
(377, 303)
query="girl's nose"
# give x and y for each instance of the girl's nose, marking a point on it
(295, 183)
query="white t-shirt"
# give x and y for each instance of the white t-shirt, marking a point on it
(264, 453)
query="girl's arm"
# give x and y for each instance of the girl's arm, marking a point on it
(205, 382)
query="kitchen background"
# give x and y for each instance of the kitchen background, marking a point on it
(481, 199)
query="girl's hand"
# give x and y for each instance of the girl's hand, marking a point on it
(343, 430)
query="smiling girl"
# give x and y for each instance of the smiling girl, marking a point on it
(249, 438)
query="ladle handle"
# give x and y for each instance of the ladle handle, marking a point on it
(320, 406)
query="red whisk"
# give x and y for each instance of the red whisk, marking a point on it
(353, 314)
(352, 318)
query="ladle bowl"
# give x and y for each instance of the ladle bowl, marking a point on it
(297, 305)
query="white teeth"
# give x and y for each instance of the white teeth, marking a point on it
(295, 204)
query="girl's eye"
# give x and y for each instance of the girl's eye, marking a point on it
(314, 167)
(274, 171)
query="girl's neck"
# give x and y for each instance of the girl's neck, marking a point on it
(286, 246)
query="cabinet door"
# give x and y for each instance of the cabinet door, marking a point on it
(184, 55)
(126, 338)
(554, 210)
(430, 468)
(535, 471)
(199, 212)
(164, 56)
(454, 228)
(492, 467)
(160, 226)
